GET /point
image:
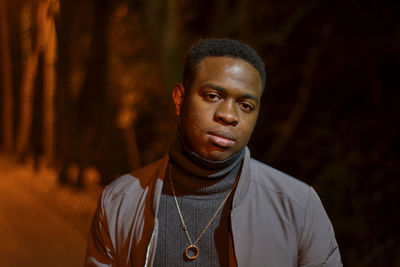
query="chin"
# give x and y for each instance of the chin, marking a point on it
(218, 155)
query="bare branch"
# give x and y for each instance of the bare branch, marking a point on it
(280, 37)
(6, 70)
(297, 113)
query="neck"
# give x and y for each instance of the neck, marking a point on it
(196, 165)
(194, 174)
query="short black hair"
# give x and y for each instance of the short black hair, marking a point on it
(220, 48)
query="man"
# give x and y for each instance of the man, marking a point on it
(207, 203)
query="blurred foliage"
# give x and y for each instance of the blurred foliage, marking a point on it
(329, 115)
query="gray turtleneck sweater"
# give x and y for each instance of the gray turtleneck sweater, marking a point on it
(201, 186)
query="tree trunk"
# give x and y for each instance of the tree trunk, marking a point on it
(154, 18)
(26, 104)
(94, 107)
(31, 57)
(170, 47)
(132, 147)
(49, 76)
(6, 74)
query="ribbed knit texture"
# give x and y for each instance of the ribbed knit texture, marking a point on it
(201, 186)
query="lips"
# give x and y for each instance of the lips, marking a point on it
(221, 139)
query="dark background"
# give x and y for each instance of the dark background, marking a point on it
(329, 115)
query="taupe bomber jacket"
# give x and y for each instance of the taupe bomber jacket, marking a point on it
(276, 220)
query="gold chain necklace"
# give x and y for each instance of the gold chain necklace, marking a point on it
(192, 247)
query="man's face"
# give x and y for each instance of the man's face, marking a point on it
(218, 113)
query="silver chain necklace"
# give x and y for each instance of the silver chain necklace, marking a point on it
(192, 247)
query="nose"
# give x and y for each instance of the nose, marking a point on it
(226, 114)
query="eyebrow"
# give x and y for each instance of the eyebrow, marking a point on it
(215, 87)
(223, 90)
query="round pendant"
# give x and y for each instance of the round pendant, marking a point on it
(194, 251)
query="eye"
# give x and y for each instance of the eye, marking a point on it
(212, 97)
(247, 107)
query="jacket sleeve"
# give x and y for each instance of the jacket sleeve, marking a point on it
(100, 250)
(318, 245)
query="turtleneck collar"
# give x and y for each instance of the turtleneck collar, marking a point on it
(195, 165)
(194, 175)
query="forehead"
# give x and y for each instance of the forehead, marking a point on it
(228, 72)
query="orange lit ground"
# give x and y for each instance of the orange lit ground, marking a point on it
(41, 223)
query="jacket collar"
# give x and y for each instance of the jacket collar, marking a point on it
(244, 181)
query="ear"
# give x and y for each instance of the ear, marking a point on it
(178, 93)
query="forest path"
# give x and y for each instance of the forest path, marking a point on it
(41, 223)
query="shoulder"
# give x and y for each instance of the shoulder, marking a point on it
(279, 183)
(137, 180)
